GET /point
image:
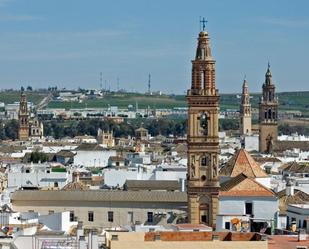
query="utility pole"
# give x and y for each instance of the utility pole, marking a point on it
(149, 84)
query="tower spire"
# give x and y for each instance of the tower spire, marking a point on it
(202, 137)
(245, 110)
(268, 114)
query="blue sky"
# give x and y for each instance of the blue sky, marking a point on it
(69, 42)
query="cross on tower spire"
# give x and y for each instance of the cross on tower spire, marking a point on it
(203, 23)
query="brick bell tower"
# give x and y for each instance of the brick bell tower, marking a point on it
(23, 117)
(202, 137)
(245, 111)
(268, 115)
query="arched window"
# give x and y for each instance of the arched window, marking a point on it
(204, 123)
(202, 79)
(269, 113)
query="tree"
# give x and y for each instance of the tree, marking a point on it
(37, 157)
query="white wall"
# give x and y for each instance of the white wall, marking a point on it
(114, 178)
(57, 221)
(252, 143)
(38, 179)
(263, 207)
(93, 158)
(265, 181)
(170, 175)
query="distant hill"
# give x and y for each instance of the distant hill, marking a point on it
(288, 100)
(9, 97)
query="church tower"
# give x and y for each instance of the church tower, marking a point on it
(23, 117)
(268, 115)
(202, 137)
(245, 111)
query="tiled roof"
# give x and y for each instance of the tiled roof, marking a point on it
(89, 147)
(242, 162)
(295, 167)
(242, 185)
(75, 186)
(11, 149)
(99, 195)
(152, 185)
(65, 153)
(299, 197)
(280, 146)
(261, 160)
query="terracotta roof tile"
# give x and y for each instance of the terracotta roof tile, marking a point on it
(242, 162)
(242, 185)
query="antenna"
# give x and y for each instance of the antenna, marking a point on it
(101, 80)
(149, 84)
(117, 84)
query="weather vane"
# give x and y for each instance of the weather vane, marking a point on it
(203, 23)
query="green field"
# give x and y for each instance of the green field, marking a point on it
(288, 101)
(9, 97)
(123, 100)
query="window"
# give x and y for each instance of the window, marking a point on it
(71, 216)
(114, 237)
(110, 216)
(130, 217)
(227, 225)
(204, 219)
(305, 224)
(150, 217)
(249, 208)
(51, 211)
(157, 237)
(90, 216)
(56, 185)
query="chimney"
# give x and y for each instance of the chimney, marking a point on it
(82, 242)
(76, 176)
(94, 240)
(289, 190)
(80, 231)
(183, 184)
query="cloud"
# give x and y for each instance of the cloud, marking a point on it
(287, 23)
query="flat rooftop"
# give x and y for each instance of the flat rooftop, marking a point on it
(286, 242)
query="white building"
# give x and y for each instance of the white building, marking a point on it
(37, 176)
(245, 204)
(92, 155)
(298, 214)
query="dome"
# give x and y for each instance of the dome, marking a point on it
(203, 34)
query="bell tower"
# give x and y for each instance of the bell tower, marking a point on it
(23, 117)
(202, 137)
(245, 111)
(268, 115)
